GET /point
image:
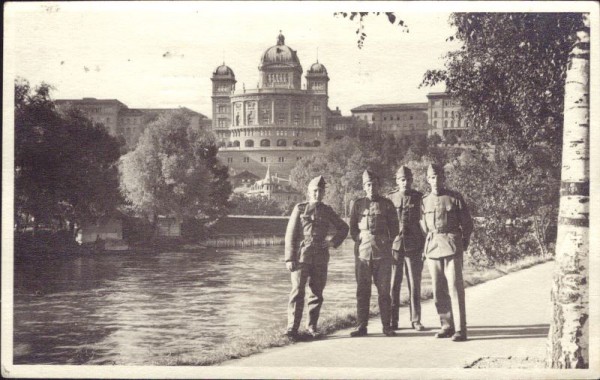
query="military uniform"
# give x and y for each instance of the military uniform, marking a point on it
(306, 244)
(446, 220)
(373, 227)
(407, 252)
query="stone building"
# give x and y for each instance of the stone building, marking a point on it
(444, 116)
(274, 187)
(401, 119)
(278, 122)
(121, 121)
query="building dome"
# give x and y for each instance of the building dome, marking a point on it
(317, 68)
(280, 53)
(224, 70)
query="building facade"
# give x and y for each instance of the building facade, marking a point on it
(278, 122)
(123, 122)
(444, 116)
(400, 119)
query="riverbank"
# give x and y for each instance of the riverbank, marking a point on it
(271, 336)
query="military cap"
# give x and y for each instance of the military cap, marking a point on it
(318, 181)
(403, 172)
(435, 169)
(369, 176)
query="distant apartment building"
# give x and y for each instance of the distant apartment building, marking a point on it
(444, 116)
(124, 122)
(400, 119)
(273, 187)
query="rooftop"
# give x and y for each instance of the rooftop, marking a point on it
(390, 107)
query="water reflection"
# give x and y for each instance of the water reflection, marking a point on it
(141, 308)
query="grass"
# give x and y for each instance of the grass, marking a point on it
(342, 319)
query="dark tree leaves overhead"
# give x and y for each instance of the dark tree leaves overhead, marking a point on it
(360, 17)
(509, 75)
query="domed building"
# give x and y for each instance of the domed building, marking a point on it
(278, 122)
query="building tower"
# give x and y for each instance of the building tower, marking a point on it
(223, 86)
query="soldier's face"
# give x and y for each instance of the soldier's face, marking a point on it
(404, 183)
(316, 194)
(436, 182)
(371, 188)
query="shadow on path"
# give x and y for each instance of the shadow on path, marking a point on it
(474, 332)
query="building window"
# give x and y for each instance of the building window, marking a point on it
(316, 121)
(445, 123)
(229, 160)
(385, 118)
(446, 114)
(249, 143)
(458, 123)
(281, 142)
(452, 113)
(281, 159)
(265, 142)
(236, 143)
(222, 123)
(435, 124)
(246, 159)
(296, 119)
(452, 124)
(316, 143)
(297, 143)
(298, 158)
(316, 107)
(263, 159)
(411, 116)
(434, 113)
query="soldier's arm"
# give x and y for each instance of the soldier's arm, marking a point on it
(466, 221)
(422, 223)
(292, 236)
(341, 228)
(392, 219)
(354, 231)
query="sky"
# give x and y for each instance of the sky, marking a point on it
(162, 55)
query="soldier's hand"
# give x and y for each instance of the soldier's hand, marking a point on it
(330, 244)
(290, 265)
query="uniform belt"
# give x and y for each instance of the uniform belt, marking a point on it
(445, 231)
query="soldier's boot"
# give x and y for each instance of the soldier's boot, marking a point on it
(459, 336)
(394, 319)
(292, 334)
(445, 333)
(389, 332)
(418, 326)
(313, 331)
(359, 332)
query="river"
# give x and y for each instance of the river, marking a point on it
(137, 309)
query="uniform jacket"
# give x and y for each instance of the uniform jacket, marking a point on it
(446, 220)
(410, 237)
(373, 226)
(306, 234)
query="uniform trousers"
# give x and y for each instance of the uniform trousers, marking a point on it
(412, 266)
(316, 276)
(367, 272)
(449, 291)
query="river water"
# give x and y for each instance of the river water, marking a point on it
(142, 308)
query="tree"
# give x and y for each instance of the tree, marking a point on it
(509, 75)
(260, 205)
(568, 340)
(65, 166)
(174, 171)
(360, 17)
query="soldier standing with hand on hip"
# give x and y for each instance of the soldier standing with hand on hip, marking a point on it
(373, 227)
(407, 248)
(307, 254)
(446, 220)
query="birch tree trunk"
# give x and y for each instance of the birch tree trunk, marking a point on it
(568, 339)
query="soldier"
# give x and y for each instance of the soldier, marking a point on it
(446, 220)
(407, 248)
(307, 254)
(373, 227)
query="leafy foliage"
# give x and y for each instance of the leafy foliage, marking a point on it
(360, 16)
(509, 75)
(65, 166)
(174, 171)
(243, 205)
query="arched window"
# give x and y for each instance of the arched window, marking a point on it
(452, 113)
(452, 124)
(265, 142)
(445, 123)
(249, 143)
(229, 144)
(435, 123)
(316, 143)
(434, 113)
(236, 143)
(458, 123)
(221, 144)
(281, 142)
(446, 114)
(297, 143)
